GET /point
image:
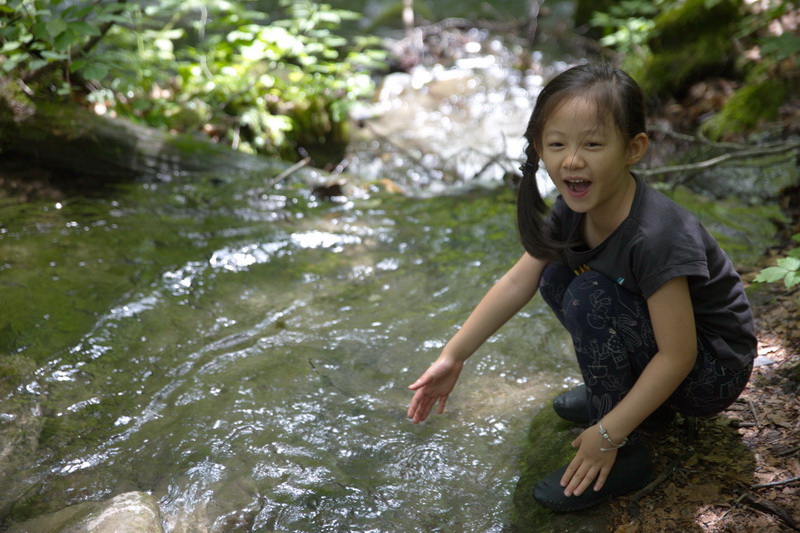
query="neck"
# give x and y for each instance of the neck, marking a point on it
(600, 224)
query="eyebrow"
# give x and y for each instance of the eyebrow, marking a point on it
(586, 132)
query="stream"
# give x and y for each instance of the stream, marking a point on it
(242, 352)
(243, 355)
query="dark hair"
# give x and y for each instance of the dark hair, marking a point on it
(614, 92)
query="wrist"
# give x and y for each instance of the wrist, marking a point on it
(610, 443)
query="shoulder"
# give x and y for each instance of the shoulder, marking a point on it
(662, 221)
(668, 242)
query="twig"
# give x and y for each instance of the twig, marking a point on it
(776, 483)
(771, 507)
(289, 171)
(790, 451)
(755, 414)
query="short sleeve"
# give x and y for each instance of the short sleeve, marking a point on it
(676, 251)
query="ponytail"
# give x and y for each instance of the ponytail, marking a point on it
(535, 234)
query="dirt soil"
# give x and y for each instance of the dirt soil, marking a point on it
(739, 471)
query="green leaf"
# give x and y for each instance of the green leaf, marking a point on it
(36, 64)
(9, 46)
(95, 71)
(796, 237)
(12, 62)
(56, 27)
(84, 28)
(789, 263)
(770, 275)
(791, 279)
(54, 56)
(794, 252)
(65, 40)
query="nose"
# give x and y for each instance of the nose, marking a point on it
(573, 161)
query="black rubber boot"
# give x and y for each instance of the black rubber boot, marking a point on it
(573, 405)
(631, 471)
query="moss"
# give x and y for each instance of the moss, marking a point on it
(681, 26)
(688, 42)
(14, 369)
(748, 107)
(547, 448)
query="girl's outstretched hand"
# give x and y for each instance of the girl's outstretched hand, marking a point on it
(434, 385)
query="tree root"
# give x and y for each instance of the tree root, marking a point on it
(769, 507)
(633, 502)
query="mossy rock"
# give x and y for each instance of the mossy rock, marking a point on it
(318, 130)
(548, 447)
(688, 42)
(750, 106)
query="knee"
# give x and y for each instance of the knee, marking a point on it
(553, 284)
(590, 293)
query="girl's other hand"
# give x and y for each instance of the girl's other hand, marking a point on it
(589, 464)
(434, 385)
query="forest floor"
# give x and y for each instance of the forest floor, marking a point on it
(739, 471)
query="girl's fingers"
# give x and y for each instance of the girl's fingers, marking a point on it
(421, 382)
(601, 479)
(581, 480)
(442, 401)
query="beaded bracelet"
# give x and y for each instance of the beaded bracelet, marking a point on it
(604, 433)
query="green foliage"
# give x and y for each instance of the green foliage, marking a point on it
(265, 88)
(35, 33)
(774, 48)
(787, 269)
(263, 83)
(626, 25)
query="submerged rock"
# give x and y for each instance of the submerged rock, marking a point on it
(129, 512)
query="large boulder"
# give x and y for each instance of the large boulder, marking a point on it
(133, 512)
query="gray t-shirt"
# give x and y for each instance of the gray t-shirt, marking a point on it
(659, 241)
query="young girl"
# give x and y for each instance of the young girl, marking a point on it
(657, 314)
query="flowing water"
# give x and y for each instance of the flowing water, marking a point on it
(242, 354)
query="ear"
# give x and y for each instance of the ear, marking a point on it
(637, 147)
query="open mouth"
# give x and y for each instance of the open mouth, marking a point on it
(577, 185)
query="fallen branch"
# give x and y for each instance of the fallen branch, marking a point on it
(289, 171)
(771, 507)
(714, 161)
(699, 139)
(776, 483)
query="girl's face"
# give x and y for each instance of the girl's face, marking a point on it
(587, 158)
